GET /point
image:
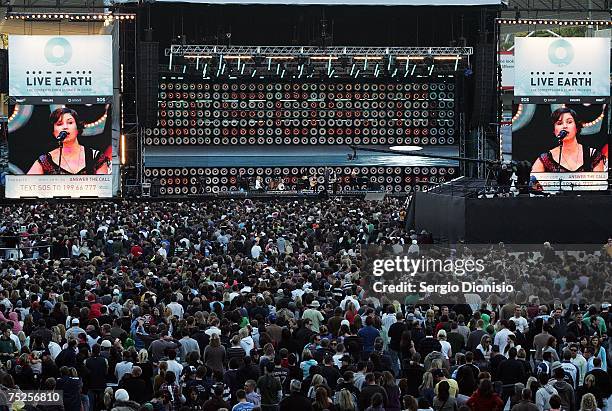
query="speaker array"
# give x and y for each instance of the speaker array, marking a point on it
(210, 180)
(196, 113)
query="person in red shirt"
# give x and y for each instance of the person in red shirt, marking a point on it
(94, 308)
(485, 399)
(136, 251)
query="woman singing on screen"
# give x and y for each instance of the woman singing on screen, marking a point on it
(575, 157)
(75, 158)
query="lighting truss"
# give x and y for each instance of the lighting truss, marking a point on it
(554, 22)
(70, 16)
(308, 51)
(308, 62)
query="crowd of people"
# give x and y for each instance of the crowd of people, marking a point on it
(265, 304)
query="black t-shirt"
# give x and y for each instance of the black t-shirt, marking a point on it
(395, 334)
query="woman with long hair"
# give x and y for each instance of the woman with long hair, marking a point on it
(322, 401)
(351, 312)
(410, 403)
(589, 387)
(214, 354)
(551, 346)
(346, 401)
(317, 381)
(599, 351)
(426, 389)
(443, 401)
(307, 362)
(588, 403)
(485, 399)
(393, 392)
(483, 350)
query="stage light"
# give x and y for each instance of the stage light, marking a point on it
(405, 148)
(122, 141)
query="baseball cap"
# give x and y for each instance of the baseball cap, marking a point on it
(106, 344)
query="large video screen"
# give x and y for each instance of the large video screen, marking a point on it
(59, 150)
(566, 145)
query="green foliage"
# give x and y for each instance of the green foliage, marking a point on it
(563, 31)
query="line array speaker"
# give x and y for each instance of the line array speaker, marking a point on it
(148, 82)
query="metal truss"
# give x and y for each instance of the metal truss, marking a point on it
(560, 5)
(308, 51)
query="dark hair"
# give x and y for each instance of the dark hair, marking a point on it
(443, 391)
(558, 113)
(555, 401)
(377, 400)
(58, 113)
(486, 388)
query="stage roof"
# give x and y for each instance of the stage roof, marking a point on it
(347, 2)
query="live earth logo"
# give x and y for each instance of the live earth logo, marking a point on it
(58, 51)
(561, 52)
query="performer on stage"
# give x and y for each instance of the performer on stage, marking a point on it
(70, 157)
(259, 184)
(575, 157)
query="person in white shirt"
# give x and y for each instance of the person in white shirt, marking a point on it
(255, 251)
(162, 251)
(579, 361)
(446, 350)
(74, 330)
(174, 365)
(246, 341)
(214, 327)
(177, 309)
(520, 321)
(76, 249)
(501, 338)
(351, 299)
(124, 366)
(188, 345)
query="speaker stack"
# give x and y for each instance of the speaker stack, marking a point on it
(214, 180)
(200, 113)
(148, 82)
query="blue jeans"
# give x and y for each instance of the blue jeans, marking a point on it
(394, 355)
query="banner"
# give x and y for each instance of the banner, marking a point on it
(49, 186)
(561, 70)
(587, 181)
(506, 62)
(60, 69)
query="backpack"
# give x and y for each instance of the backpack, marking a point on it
(434, 355)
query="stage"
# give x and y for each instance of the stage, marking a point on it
(570, 218)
